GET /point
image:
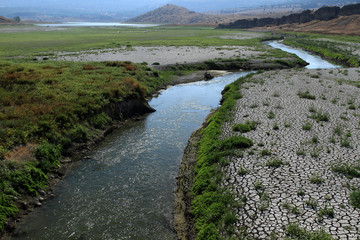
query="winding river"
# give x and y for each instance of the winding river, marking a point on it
(124, 188)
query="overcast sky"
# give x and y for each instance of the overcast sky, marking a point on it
(115, 5)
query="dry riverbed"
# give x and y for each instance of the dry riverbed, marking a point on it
(288, 175)
(161, 55)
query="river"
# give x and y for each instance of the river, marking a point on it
(124, 188)
(315, 62)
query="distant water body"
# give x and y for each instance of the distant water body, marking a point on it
(95, 24)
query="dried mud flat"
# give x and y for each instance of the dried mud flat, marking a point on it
(288, 176)
(161, 55)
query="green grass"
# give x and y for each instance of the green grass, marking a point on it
(274, 162)
(37, 42)
(294, 231)
(348, 170)
(339, 51)
(355, 198)
(306, 95)
(213, 205)
(245, 127)
(316, 179)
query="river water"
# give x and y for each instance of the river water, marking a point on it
(315, 62)
(124, 188)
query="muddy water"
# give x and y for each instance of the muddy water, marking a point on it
(124, 188)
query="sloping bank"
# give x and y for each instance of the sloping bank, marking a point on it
(203, 209)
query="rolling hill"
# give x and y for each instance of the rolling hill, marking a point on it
(172, 14)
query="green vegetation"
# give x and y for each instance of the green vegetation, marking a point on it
(348, 170)
(212, 205)
(312, 203)
(320, 116)
(355, 198)
(306, 95)
(307, 126)
(274, 162)
(45, 43)
(316, 179)
(334, 47)
(245, 127)
(325, 212)
(294, 231)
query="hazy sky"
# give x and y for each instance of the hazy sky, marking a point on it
(115, 5)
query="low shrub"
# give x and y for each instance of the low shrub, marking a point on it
(306, 95)
(355, 198)
(245, 127)
(28, 180)
(79, 134)
(48, 156)
(294, 231)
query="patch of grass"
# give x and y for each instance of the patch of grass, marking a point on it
(325, 212)
(312, 203)
(294, 231)
(320, 116)
(316, 179)
(306, 95)
(271, 115)
(274, 162)
(307, 126)
(300, 152)
(265, 152)
(287, 124)
(254, 105)
(300, 192)
(245, 127)
(349, 171)
(211, 204)
(355, 198)
(258, 185)
(315, 139)
(242, 171)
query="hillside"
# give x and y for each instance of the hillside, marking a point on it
(4, 20)
(323, 14)
(342, 25)
(172, 14)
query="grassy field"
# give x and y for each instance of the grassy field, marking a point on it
(38, 42)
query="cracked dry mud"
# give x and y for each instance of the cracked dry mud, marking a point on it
(277, 196)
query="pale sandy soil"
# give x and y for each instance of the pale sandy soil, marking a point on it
(161, 54)
(283, 193)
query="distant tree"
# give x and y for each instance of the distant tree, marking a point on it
(17, 19)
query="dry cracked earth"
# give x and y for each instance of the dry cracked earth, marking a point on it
(288, 175)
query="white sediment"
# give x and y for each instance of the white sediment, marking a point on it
(161, 54)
